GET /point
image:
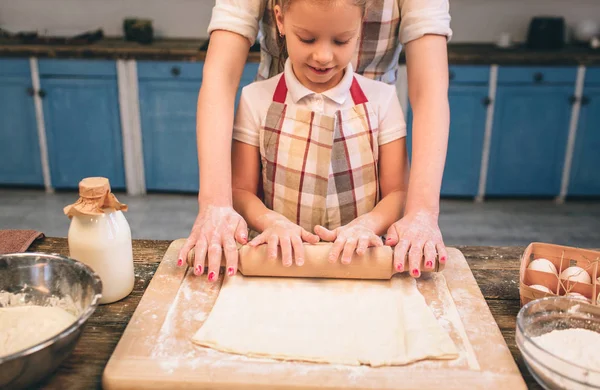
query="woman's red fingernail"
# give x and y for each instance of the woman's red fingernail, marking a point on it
(415, 272)
(211, 276)
(399, 267)
(179, 262)
(198, 270)
(230, 271)
(429, 264)
(443, 259)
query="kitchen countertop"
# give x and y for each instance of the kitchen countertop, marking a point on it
(195, 50)
(496, 270)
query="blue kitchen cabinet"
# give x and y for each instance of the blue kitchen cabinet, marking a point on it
(467, 95)
(81, 115)
(20, 162)
(530, 129)
(168, 97)
(585, 169)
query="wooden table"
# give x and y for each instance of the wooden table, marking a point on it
(495, 268)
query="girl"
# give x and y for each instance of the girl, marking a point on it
(318, 147)
(420, 28)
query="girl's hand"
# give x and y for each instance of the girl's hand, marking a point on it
(355, 236)
(281, 232)
(215, 229)
(418, 234)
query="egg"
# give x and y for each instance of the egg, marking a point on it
(576, 274)
(576, 295)
(541, 288)
(543, 265)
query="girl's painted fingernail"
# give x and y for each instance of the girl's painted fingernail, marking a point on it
(429, 264)
(198, 270)
(399, 267)
(415, 272)
(443, 259)
(230, 271)
(179, 263)
(211, 276)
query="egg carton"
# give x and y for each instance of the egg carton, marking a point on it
(562, 257)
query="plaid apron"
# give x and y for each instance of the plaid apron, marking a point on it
(319, 169)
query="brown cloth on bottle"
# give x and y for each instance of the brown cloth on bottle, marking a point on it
(94, 195)
(16, 241)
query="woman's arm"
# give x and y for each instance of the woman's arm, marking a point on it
(427, 67)
(217, 223)
(417, 232)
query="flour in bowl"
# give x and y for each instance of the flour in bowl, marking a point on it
(577, 346)
(22, 327)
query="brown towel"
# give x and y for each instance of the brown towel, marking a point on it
(16, 241)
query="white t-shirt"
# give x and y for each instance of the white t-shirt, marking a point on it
(258, 96)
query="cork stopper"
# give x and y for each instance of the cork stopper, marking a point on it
(94, 197)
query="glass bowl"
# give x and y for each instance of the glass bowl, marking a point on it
(549, 367)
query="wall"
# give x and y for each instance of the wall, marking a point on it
(472, 20)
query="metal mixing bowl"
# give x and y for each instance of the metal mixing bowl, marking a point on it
(549, 368)
(45, 280)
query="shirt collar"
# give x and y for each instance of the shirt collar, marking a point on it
(297, 91)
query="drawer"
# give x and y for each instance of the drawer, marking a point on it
(14, 67)
(469, 74)
(53, 67)
(592, 75)
(161, 70)
(537, 75)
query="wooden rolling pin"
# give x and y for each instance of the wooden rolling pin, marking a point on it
(376, 263)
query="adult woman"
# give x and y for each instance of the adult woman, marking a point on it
(422, 26)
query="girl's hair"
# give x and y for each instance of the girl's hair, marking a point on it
(285, 4)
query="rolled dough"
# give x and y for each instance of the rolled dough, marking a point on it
(22, 327)
(350, 322)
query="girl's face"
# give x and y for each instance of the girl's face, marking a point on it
(321, 39)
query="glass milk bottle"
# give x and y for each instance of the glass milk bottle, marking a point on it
(100, 237)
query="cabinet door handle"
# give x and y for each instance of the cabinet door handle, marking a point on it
(30, 91)
(573, 99)
(585, 100)
(42, 93)
(451, 75)
(538, 77)
(175, 71)
(486, 101)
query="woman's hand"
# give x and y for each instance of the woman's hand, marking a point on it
(287, 235)
(419, 235)
(215, 229)
(355, 236)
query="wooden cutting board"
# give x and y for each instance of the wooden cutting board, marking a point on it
(155, 351)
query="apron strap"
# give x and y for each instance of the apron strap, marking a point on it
(281, 91)
(357, 93)
(358, 96)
